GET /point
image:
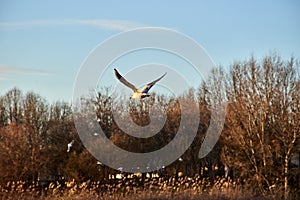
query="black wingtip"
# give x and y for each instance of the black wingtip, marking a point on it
(117, 74)
(163, 76)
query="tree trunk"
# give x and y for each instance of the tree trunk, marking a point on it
(286, 189)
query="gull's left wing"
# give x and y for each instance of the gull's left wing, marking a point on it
(124, 81)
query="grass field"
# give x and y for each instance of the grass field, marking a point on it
(154, 188)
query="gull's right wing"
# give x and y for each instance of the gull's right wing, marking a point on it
(124, 81)
(149, 85)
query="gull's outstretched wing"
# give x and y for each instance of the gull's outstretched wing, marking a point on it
(149, 85)
(124, 81)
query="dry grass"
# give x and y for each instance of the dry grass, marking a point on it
(154, 188)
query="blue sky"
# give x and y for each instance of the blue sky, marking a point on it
(44, 43)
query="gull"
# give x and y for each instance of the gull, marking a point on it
(70, 145)
(138, 94)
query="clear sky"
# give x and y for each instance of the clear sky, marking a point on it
(44, 43)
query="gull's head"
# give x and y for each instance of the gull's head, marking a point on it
(134, 96)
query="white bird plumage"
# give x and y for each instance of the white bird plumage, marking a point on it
(70, 145)
(138, 94)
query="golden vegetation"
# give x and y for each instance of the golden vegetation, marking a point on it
(258, 149)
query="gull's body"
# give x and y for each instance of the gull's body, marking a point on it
(138, 94)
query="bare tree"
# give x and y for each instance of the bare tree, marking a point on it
(263, 124)
(12, 100)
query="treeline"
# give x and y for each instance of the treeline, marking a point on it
(258, 148)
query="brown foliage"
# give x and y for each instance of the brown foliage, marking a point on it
(259, 139)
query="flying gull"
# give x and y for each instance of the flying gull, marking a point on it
(70, 145)
(138, 94)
